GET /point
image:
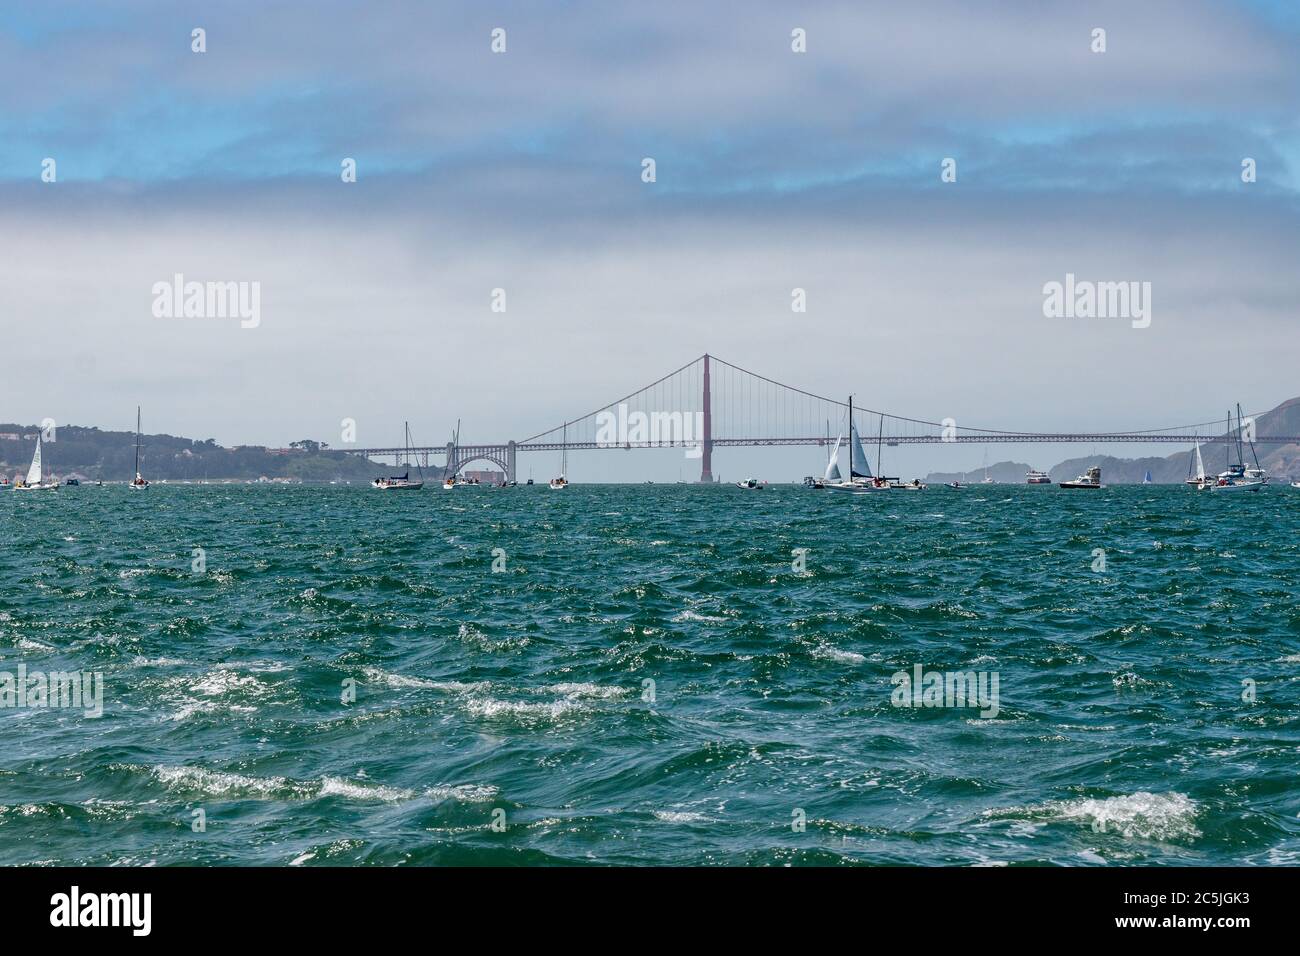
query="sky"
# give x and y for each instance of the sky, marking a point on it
(522, 170)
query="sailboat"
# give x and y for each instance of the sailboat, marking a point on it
(138, 482)
(1146, 480)
(35, 480)
(1236, 477)
(987, 480)
(403, 481)
(832, 474)
(859, 481)
(562, 482)
(454, 480)
(1197, 480)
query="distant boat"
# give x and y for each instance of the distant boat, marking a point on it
(1147, 479)
(1037, 478)
(72, 482)
(1198, 480)
(562, 482)
(860, 481)
(987, 480)
(455, 480)
(1238, 477)
(138, 483)
(1091, 479)
(35, 480)
(751, 484)
(403, 481)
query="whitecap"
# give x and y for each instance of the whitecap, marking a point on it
(828, 653)
(1141, 815)
(676, 816)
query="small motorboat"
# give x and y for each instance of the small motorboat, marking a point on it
(1091, 479)
(751, 484)
(1037, 478)
(558, 484)
(956, 486)
(73, 482)
(916, 484)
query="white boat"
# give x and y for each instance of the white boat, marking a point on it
(751, 484)
(561, 482)
(138, 483)
(35, 480)
(454, 481)
(1238, 477)
(402, 482)
(860, 481)
(987, 480)
(1090, 479)
(916, 484)
(1197, 480)
(1234, 479)
(1037, 478)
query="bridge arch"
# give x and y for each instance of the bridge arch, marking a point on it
(498, 460)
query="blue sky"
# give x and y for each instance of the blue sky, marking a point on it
(522, 170)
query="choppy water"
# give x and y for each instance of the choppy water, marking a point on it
(1122, 734)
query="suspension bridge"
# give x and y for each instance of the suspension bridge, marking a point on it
(709, 403)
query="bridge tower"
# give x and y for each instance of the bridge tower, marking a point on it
(706, 445)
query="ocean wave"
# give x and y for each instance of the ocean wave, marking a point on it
(828, 653)
(223, 784)
(1136, 816)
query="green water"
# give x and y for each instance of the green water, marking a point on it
(649, 679)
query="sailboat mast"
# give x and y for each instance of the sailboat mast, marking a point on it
(1253, 454)
(880, 437)
(850, 439)
(137, 441)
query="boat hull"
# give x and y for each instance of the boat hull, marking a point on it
(1240, 486)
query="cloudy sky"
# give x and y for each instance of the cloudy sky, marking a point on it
(522, 170)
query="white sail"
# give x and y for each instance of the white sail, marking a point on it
(34, 472)
(861, 467)
(1200, 464)
(833, 466)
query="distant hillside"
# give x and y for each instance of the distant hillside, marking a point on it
(1004, 472)
(110, 456)
(1281, 461)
